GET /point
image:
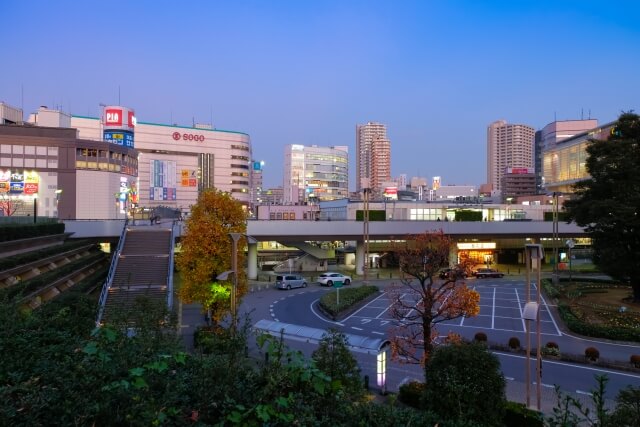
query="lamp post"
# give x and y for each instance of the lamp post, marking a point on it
(534, 255)
(555, 279)
(365, 183)
(35, 208)
(234, 270)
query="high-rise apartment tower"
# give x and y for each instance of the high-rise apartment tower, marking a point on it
(373, 156)
(508, 146)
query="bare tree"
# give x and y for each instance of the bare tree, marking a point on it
(422, 300)
(9, 205)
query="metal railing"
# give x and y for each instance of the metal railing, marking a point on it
(170, 275)
(112, 271)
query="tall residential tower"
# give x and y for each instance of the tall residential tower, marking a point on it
(508, 146)
(373, 156)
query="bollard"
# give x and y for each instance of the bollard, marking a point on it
(366, 382)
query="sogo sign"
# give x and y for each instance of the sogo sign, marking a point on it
(188, 137)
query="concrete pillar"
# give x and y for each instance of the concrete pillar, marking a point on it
(359, 258)
(453, 253)
(252, 264)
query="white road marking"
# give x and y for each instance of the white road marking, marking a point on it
(493, 310)
(364, 306)
(357, 329)
(524, 327)
(586, 393)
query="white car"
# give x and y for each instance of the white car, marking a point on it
(328, 278)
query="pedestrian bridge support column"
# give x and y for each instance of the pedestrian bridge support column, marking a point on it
(359, 258)
(252, 265)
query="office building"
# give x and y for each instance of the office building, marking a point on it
(313, 173)
(551, 135)
(508, 146)
(373, 156)
(518, 182)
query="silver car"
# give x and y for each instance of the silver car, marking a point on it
(289, 281)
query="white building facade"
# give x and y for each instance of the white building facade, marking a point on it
(313, 173)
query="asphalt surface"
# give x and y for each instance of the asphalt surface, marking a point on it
(500, 317)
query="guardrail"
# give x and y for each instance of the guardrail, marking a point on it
(112, 270)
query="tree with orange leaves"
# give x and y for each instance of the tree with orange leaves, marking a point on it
(206, 252)
(422, 300)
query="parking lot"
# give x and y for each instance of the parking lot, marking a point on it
(501, 304)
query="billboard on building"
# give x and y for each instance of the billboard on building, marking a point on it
(188, 178)
(19, 182)
(519, 171)
(162, 177)
(118, 125)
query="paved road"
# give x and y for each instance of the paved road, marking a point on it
(500, 318)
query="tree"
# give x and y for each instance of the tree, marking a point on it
(334, 359)
(206, 252)
(421, 300)
(464, 382)
(9, 205)
(608, 203)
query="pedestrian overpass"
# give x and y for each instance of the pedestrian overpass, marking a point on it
(291, 232)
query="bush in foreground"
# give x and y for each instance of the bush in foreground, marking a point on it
(465, 383)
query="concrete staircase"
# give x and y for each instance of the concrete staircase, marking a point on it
(142, 270)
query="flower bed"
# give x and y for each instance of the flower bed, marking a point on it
(348, 297)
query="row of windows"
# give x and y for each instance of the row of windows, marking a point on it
(104, 166)
(282, 215)
(28, 150)
(19, 162)
(240, 158)
(239, 173)
(239, 147)
(240, 166)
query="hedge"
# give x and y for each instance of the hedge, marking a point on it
(348, 297)
(597, 331)
(468, 215)
(24, 231)
(42, 280)
(373, 215)
(26, 258)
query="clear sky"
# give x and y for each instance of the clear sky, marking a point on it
(306, 72)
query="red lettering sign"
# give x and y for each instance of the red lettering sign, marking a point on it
(30, 188)
(113, 117)
(188, 137)
(132, 120)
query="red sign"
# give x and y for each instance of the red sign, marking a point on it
(132, 120)
(187, 137)
(30, 188)
(390, 190)
(113, 117)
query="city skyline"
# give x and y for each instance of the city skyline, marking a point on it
(287, 73)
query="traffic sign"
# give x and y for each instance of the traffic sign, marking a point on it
(337, 284)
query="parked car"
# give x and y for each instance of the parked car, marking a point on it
(481, 273)
(289, 281)
(327, 279)
(449, 272)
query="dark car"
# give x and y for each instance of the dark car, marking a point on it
(482, 273)
(450, 273)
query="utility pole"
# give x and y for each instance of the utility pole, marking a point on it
(365, 232)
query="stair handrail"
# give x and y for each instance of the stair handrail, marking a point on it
(112, 269)
(170, 275)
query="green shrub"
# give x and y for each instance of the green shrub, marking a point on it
(348, 297)
(480, 337)
(412, 394)
(599, 331)
(518, 415)
(550, 289)
(374, 215)
(592, 353)
(468, 215)
(465, 384)
(25, 231)
(25, 258)
(552, 344)
(514, 343)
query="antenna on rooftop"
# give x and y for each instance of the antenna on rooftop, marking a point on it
(582, 114)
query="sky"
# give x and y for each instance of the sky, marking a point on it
(437, 73)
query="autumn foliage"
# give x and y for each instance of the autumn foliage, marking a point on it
(422, 300)
(206, 252)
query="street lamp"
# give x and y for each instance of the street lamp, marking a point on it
(234, 270)
(555, 196)
(534, 253)
(35, 208)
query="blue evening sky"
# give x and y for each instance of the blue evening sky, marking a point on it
(306, 72)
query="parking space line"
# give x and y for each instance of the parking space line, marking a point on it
(524, 328)
(551, 316)
(364, 306)
(493, 308)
